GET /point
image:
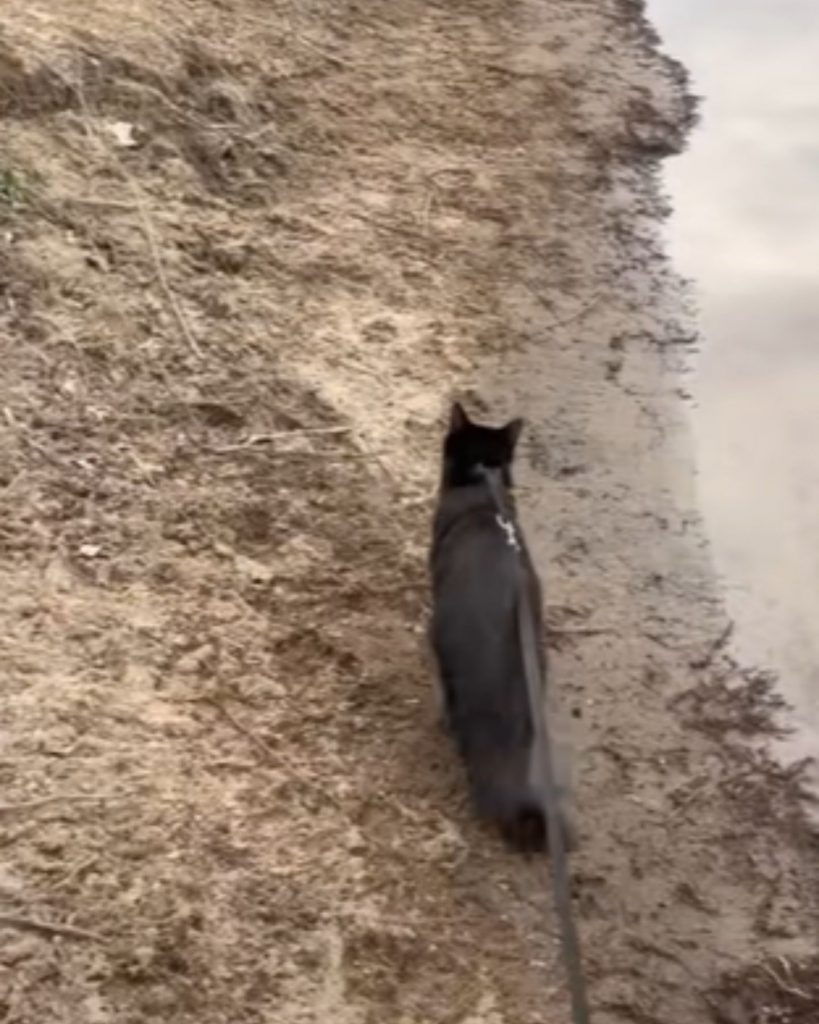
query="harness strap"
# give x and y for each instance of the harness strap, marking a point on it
(542, 766)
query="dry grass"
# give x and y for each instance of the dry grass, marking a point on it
(777, 991)
(207, 415)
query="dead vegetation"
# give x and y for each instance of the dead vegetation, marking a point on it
(210, 757)
(778, 991)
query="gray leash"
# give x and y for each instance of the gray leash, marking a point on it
(544, 770)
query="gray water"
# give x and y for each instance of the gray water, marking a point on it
(746, 230)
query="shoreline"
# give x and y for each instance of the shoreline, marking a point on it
(630, 511)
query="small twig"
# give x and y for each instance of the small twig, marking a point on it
(655, 638)
(557, 324)
(790, 989)
(147, 227)
(502, 69)
(713, 649)
(99, 203)
(331, 458)
(317, 48)
(258, 439)
(79, 869)
(269, 756)
(556, 635)
(684, 800)
(186, 114)
(227, 762)
(240, 727)
(34, 805)
(9, 487)
(28, 924)
(787, 967)
(23, 434)
(462, 171)
(560, 631)
(159, 266)
(397, 229)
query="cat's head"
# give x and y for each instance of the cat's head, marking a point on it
(469, 446)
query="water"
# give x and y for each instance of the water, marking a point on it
(746, 229)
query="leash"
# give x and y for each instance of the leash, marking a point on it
(542, 766)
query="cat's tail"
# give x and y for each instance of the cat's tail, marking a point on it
(503, 795)
(525, 827)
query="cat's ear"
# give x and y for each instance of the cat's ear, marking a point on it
(457, 418)
(512, 430)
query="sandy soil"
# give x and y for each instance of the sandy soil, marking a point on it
(249, 251)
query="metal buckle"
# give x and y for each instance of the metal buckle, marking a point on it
(509, 530)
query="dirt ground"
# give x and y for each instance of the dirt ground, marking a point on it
(249, 252)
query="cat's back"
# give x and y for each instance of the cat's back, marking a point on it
(471, 558)
(475, 593)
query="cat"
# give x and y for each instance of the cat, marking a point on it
(474, 632)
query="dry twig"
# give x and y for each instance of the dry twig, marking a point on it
(240, 727)
(572, 318)
(254, 440)
(49, 928)
(713, 649)
(781, 984)
(147, 227)
(159, 266)
(34, 805)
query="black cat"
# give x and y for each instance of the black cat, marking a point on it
(475, 634)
